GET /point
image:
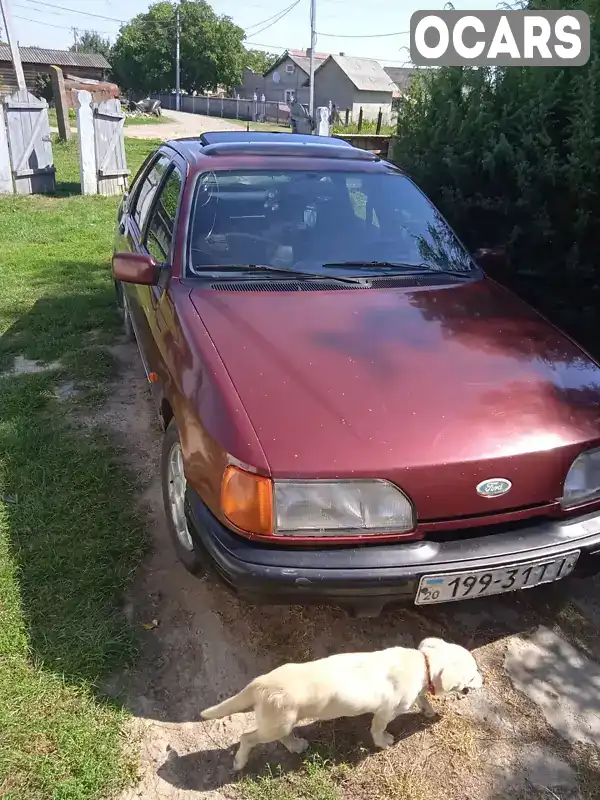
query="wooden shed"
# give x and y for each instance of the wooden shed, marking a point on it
(37, 60)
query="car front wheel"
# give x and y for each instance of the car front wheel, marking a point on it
(174, 487)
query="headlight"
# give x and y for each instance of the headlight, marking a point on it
(257, 504)
(338, 508)
(582, 483)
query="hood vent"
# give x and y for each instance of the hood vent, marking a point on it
(397, 282)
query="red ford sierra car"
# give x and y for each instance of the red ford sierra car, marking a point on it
(354, 412)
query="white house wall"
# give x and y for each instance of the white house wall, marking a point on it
(332, 83)
(371, 102)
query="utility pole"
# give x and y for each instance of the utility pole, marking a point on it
(313, 44)
(75, 39)
(14, 48)
(177, 61)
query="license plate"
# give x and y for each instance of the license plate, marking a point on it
(454, 586)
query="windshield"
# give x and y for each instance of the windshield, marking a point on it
(305, 220)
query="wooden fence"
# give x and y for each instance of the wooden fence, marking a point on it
(26, 159)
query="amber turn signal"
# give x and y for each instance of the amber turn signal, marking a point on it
(247, 501)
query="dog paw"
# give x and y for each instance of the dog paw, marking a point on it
(239, 762)
(299, 745)
(384, 741)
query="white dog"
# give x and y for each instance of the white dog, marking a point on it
(385, 683)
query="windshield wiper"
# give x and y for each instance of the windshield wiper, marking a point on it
(284, 271)
(415, 269)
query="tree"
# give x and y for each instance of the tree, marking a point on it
(259, 61)
(143, 58)
(92, 42)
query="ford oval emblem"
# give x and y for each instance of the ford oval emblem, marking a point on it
(493, 487)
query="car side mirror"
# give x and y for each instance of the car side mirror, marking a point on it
(491, 258)
(135, 268)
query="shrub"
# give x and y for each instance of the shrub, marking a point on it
(512, 156)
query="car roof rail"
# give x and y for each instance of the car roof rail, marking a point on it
(285, 149)
(218, 137)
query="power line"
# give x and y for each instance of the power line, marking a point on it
(74, 10)
(275, 21)
(362, 35)
(52, 25)
(28, 8)
(268, 19)
(270, 46)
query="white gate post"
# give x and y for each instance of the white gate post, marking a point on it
(87, 149)
(322, 121)
(6, 183)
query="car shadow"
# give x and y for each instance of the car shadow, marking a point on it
(209, 644)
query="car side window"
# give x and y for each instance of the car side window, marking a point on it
(148, 189)
(162, 221)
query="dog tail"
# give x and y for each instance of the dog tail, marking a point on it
(242, 701)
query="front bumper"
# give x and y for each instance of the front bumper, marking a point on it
(369, 576)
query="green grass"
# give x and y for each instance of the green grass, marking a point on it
(69, 539)
(264, 126)
(53, 120)
(128, 120)
(318, 779)
(258, 126)
(368, 127)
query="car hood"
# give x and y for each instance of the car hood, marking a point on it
(434, 389)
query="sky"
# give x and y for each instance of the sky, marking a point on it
(369, 28)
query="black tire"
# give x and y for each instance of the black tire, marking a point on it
(190, 558)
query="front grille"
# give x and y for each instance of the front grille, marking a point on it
(483, 530)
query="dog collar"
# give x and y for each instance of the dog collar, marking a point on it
(430, 686)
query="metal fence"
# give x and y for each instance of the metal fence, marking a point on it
(230, 107)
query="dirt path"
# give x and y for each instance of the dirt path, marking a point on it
(180, 124)
(505, 742)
